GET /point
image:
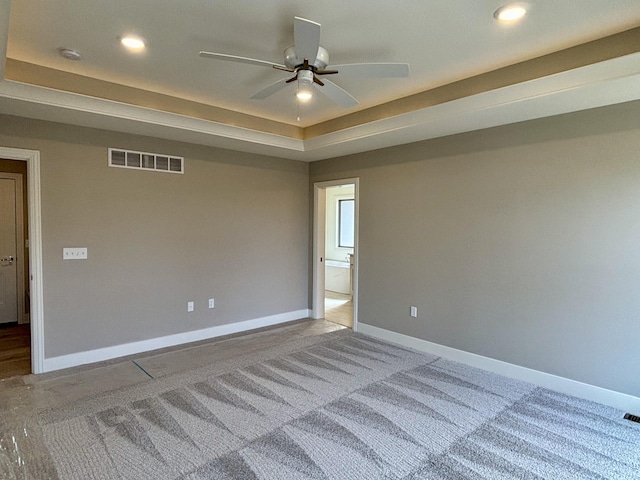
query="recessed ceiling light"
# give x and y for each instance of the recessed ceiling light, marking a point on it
(69, 54)
(133, 42)
(510, 13)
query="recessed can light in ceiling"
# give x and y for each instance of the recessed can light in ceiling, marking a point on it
(69, 54)
(511, 12)
(133, 42)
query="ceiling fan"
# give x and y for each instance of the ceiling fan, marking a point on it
(308, 60)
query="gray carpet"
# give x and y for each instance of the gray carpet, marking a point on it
(340, 406)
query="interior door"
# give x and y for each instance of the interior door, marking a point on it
(8, 252)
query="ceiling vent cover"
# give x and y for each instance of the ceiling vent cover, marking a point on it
(145, 161)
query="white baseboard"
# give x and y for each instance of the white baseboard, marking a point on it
(625, 402)
(108, 353)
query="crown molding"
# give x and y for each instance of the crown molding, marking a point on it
(595, 74)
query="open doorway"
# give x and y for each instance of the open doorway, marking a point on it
(15, 332)
(336, 251)
(35, 304)
(339, 253)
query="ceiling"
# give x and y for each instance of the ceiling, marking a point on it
(467, 70)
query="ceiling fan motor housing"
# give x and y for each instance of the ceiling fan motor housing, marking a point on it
(292, 61)
(305, 78)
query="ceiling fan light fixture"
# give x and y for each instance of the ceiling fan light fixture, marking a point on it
(511, 12)
(304, 95)
(305, 80)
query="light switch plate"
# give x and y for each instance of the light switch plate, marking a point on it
(75, 253)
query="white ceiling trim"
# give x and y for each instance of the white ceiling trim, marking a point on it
(606, 83)
(498, 107)
(609, 82)
(65, 107)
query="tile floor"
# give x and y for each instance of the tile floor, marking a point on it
(21, 397)
(338, 308)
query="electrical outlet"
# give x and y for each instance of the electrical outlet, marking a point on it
(77, 253)
(190, 307)
(413, 311)
(212, 303)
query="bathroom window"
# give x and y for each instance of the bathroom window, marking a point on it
(346, 221)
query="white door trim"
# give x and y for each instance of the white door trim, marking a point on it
(319, 220)
(319, 229)
(32, 157)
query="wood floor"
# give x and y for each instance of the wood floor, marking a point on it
(15, 350)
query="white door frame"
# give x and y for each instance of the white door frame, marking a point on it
(319, 227)
(32, 157)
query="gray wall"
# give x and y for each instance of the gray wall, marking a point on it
(520, 243)
(233, 227)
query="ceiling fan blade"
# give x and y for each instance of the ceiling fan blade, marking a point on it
(237, 59)
(270, 90)
(284, 69)
(337, 94)
(306, 35)
(326, 72)
(378, 70)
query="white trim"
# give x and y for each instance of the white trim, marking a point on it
(32, 157)
(107, 353)
(44, 103)
(318, 251)
(625, 402)
(319, 220)
(603, 83)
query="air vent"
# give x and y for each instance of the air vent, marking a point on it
(633, 418)
(145, 161)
